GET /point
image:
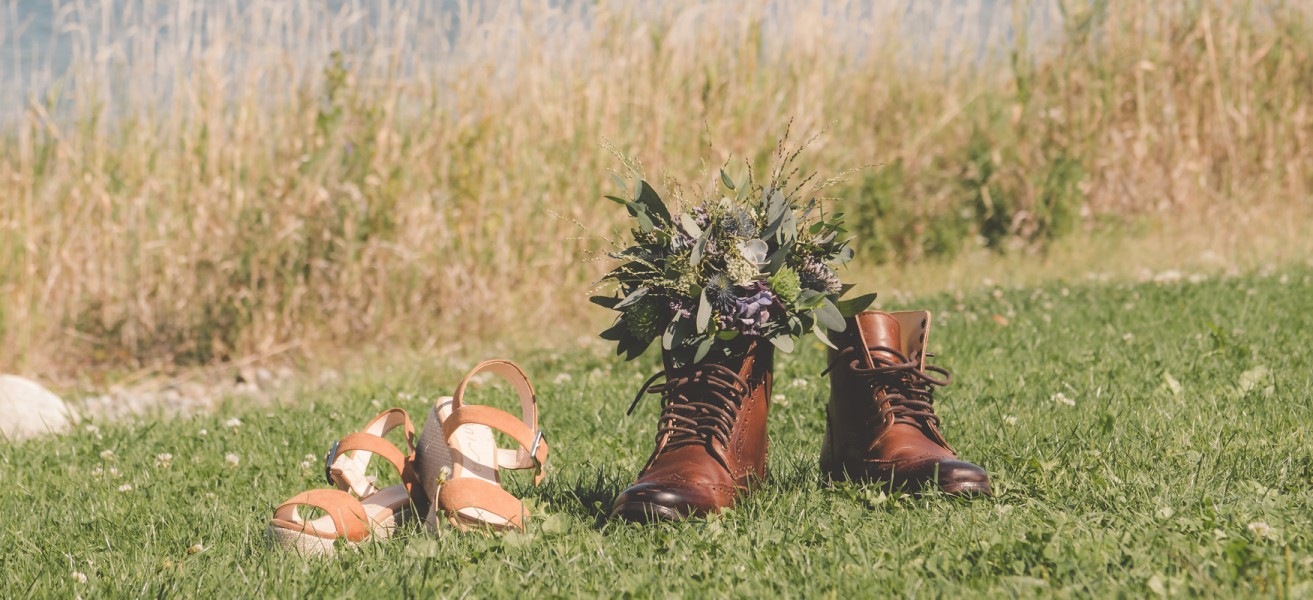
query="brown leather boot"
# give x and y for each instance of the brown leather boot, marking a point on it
(881, 424)
(711, 438)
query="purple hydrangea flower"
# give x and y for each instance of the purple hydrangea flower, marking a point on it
(751, 312)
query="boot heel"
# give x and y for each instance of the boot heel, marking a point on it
(832, 469)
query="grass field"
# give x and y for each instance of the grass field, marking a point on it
(1144, 439)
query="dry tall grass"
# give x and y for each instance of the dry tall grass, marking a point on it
(232, 178)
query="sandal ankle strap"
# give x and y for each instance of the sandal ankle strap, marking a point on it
(533, 450)
(350, 456)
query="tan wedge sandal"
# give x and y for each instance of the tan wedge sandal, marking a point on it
(357, 511)
(459, 462)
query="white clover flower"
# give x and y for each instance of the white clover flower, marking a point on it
(164, 460)
(309, 457)
(1062, 398)
(233, 423)
(232, 460)
(114, 472)
(125, 488)
(203, 432)
(107, 455)
(562, 378)
(97, 473)
(305, 465)
(1260, 528)
(79, 576)
(1127, 337)
(1010, 420)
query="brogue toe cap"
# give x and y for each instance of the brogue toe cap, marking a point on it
(958, 477)
(662, 501)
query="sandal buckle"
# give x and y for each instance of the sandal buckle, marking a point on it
(329, 459)
(533, 450)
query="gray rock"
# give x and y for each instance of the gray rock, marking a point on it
(27, 409)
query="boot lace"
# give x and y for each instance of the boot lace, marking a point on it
(699, 404)
(909, 390)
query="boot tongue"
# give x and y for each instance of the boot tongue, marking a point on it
(880, 329)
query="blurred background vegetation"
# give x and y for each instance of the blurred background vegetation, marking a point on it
(205, 182)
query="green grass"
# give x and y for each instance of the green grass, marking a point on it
(1190, 424)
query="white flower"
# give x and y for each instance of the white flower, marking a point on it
(125, 488)
(1010, 420)
(1128, 337)
(799, 383)
(233, 423)
(79, 576)
(311, 457)
(1260, 528)
(232, 460)
(203, 432)
(107, 455)
(755, 251)
(376, 403)
(97, 473)
(1062, 398)
(114, 472)
(305, 465)
(164, 460)
(90, 429)
(562, 378)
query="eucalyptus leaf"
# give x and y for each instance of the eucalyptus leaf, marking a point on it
(616, 332)
(690, 225)
(698, 248)
(853, 306)
(648, 198)
(724, 178)
(633, 297)
(743, 190)
(783, 342)
(778, 258)
(823, 337)
(703, 348)
(704, 312)
(645, 223)
(810, 299)
(605, 301)
(681, 330)
(828, 315)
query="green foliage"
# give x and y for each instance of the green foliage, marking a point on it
(727, 267)
(1123, 489)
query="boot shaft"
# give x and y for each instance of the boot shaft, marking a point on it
(744, 452)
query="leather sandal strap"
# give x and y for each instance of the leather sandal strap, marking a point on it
(463, 493)
(525, 431)
(355, 450)
(534, 449)
(348, 516)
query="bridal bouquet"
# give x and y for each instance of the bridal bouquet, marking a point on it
(754, 261)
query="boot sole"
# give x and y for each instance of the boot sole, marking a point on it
(643, 512)
(964, 490)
